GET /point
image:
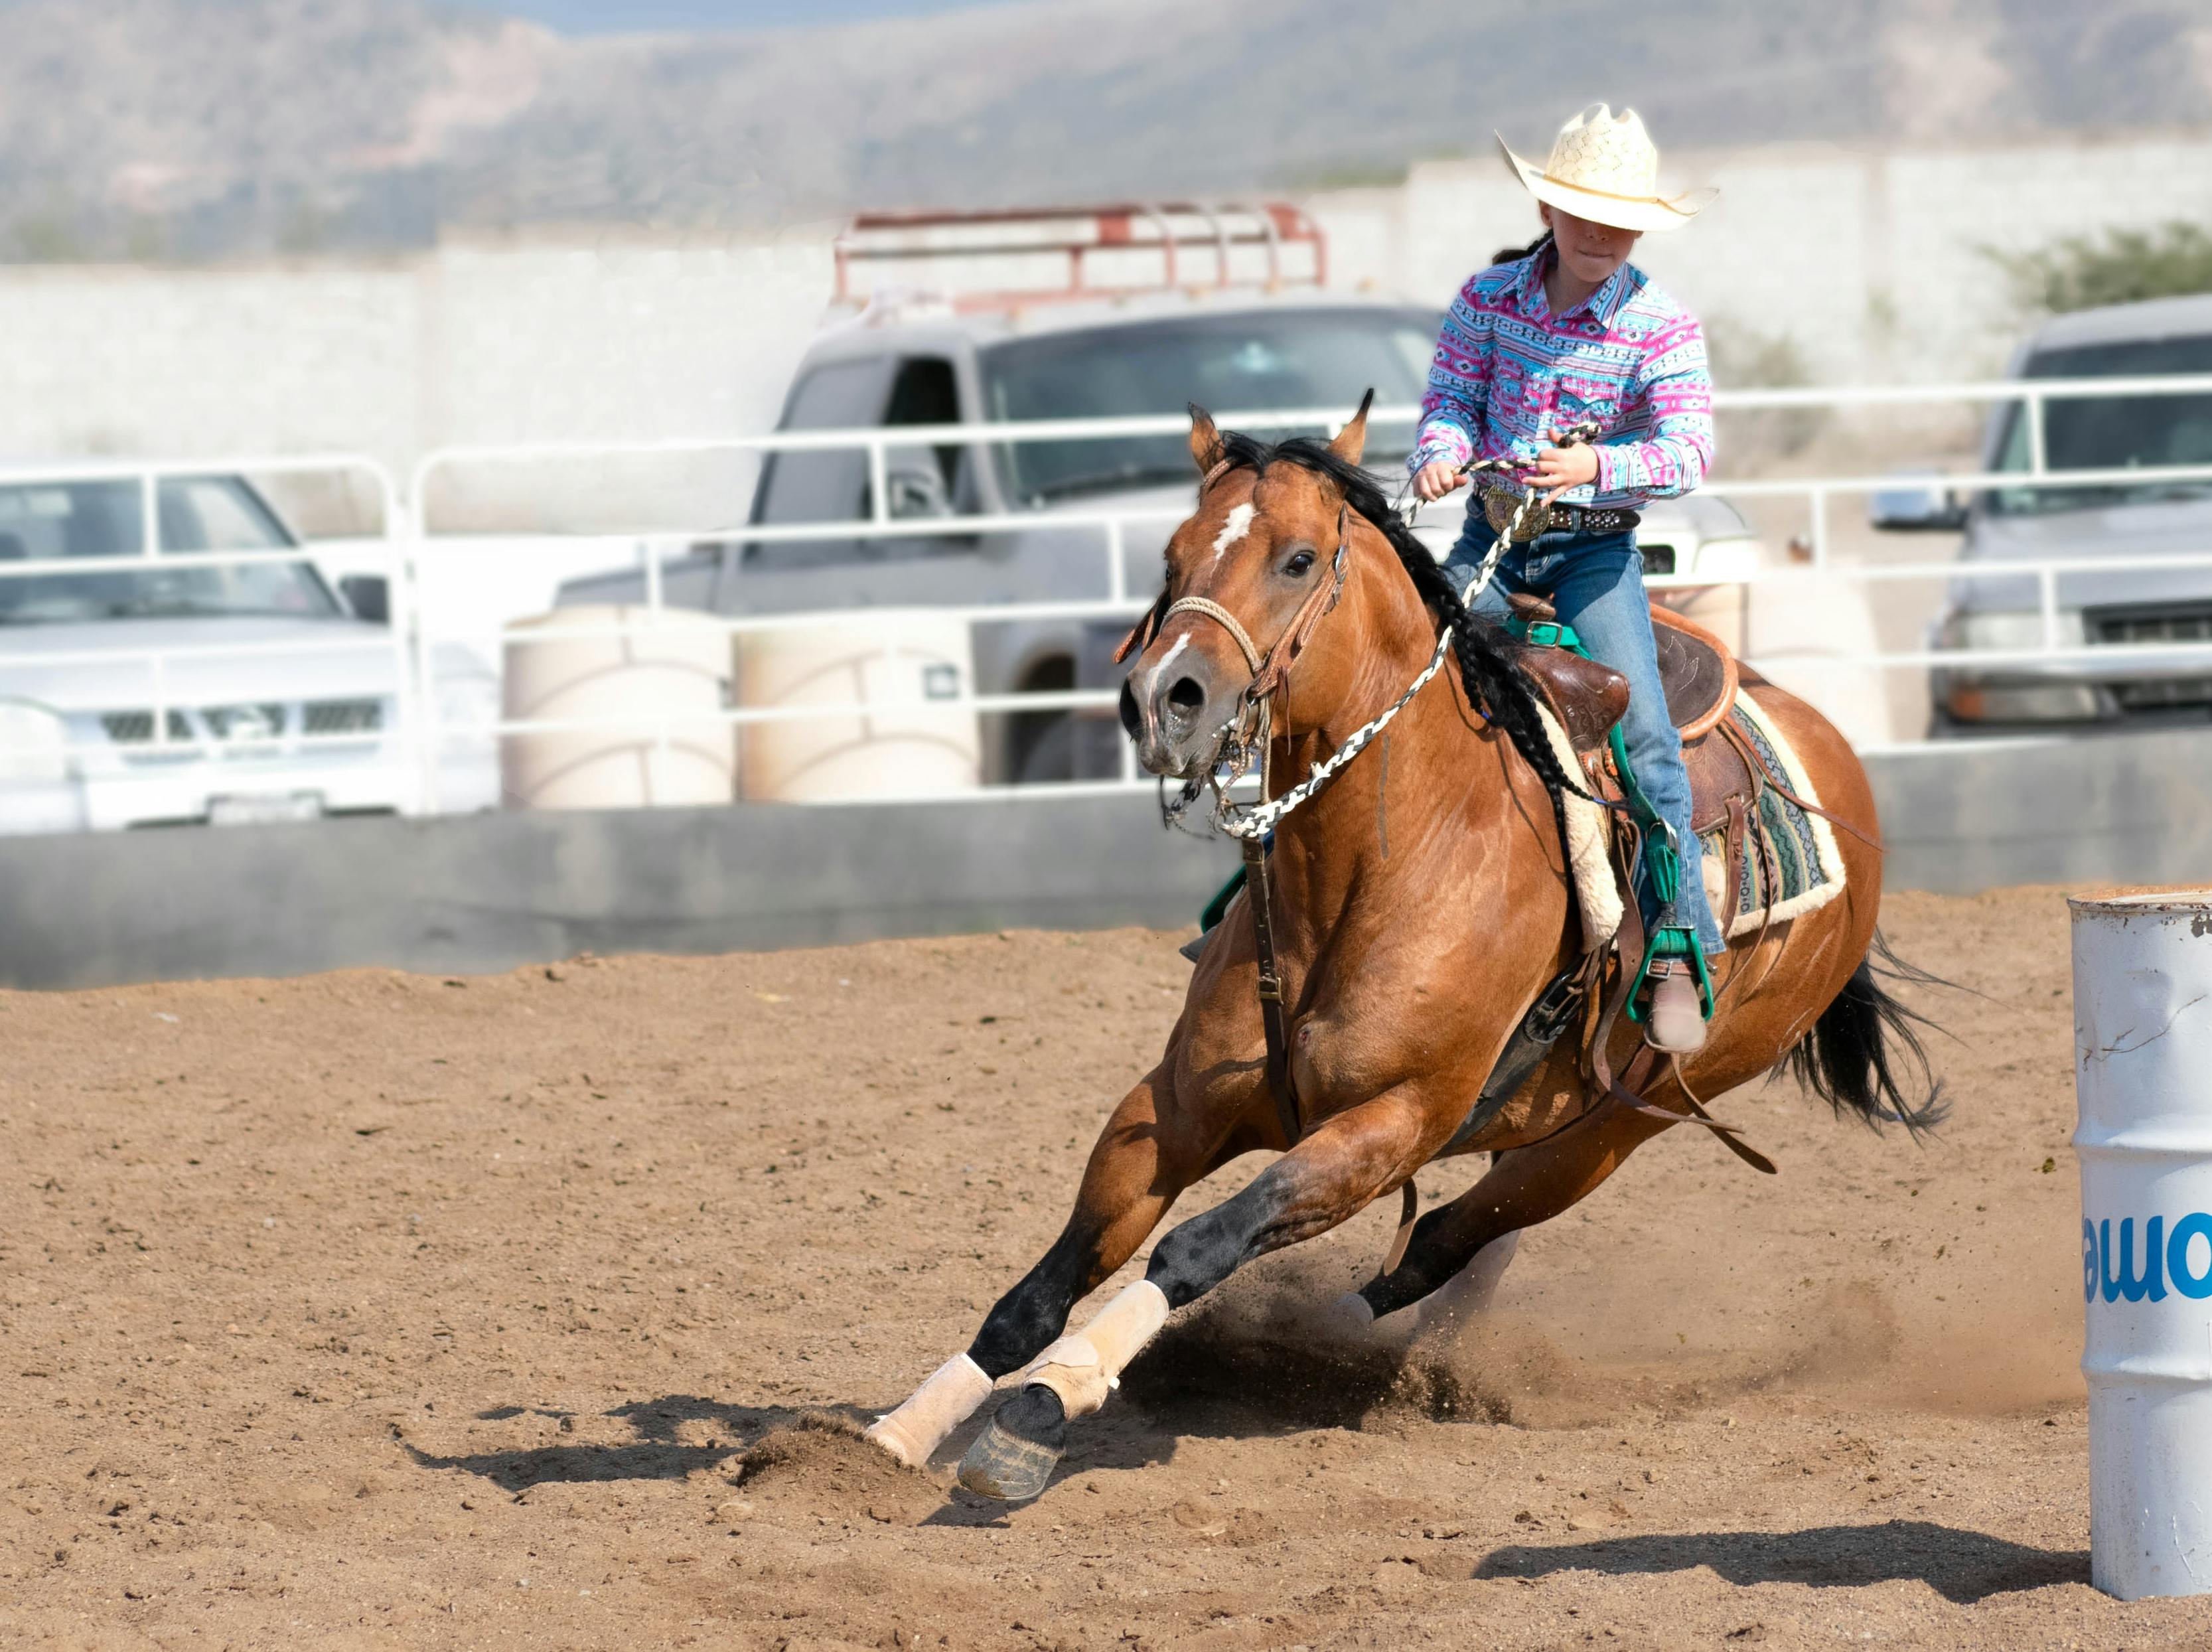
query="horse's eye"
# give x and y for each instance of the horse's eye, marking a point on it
(1300, 565)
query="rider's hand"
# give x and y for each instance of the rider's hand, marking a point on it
(1437, 478)
(1558, 469)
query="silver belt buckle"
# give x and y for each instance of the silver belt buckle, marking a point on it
(1499, 508)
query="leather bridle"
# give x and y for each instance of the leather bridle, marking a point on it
(1244, 736)
(1270, 669)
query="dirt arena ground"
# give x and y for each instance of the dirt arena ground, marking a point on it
(379, 1310)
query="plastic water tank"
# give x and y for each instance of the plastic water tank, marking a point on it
(899, 664)
(662, 683)
(1803, 628)
(2143, 1068)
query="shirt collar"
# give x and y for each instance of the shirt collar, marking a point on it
(1528, 285)
(1606, 302)
(1603, 305)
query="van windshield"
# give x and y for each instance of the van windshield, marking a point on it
(53, 521)
(2113, 433)
(1248, 362)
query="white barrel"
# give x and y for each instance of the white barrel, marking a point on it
(901, 665)
(651, 696)
(2142, 1066)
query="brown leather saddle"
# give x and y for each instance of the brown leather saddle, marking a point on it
(1701, 676)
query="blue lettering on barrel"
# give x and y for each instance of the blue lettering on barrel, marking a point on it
(2196, 1286)
(2089, 1260)
(2128, 1284)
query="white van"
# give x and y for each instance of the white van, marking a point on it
(188, 690)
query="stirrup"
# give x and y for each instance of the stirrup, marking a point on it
(1672, 943)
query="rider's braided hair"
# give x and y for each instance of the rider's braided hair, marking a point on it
(1493, 682)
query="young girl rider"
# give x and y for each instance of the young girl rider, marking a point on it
(1569, 332)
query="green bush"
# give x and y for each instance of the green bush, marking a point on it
(2119, 267)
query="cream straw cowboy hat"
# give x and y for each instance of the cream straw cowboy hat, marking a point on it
(1605, 168)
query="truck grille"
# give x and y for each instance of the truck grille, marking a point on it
(342, 716)
(2180, 621)
(2156, 694)
(136, 727)
(257, 722)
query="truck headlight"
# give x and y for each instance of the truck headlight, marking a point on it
(2017, 701)
(34, 744)
(2008, 632)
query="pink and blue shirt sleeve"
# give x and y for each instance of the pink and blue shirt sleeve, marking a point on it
(1507, 374)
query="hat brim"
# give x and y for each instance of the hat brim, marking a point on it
(1639, 213)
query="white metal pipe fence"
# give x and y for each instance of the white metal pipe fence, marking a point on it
(1105, 594)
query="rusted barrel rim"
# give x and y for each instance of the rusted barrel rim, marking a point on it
(2127, 903)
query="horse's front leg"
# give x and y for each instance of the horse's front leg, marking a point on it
(1147, 1153)
(1330, 1176)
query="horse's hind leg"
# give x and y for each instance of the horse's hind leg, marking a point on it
(1330, 1175)
(1523, 1187)
(1138, 1166)
(1466, 1295)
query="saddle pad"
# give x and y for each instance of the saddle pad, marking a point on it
(1589, 860)
(1801, 860)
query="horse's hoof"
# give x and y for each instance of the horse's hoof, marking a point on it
(1007, 1466)
(1006, 1462)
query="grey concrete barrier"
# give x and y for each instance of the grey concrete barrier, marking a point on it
(2104, 809)
(488, 892)
(480, 893)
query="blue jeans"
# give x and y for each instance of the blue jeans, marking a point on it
(1595, 581)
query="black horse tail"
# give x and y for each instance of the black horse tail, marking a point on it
(1864, 1053)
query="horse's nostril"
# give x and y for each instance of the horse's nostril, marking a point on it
(1186, 696)
(1131, 719)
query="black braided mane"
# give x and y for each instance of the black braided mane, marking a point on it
(1493, 682)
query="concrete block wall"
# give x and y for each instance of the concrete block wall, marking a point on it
(1872, 262)
(612, 340)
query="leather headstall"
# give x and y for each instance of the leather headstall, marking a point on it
(1268, 673)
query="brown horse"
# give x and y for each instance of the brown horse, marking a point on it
(1422, 903)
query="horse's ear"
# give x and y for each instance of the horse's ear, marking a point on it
(1352, 442)
(1206, 450)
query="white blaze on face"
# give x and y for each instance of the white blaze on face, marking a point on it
(1159, 671)
(1239, 525)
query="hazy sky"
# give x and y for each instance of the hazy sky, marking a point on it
(594, 16)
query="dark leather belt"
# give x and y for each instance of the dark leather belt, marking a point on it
(1578, 520)
(1498, 507)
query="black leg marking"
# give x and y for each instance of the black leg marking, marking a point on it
(1025, 1320)
(1035, 1414)
(1439, 1248)
(1206, 1250)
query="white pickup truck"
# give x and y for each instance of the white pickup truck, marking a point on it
(194, 689)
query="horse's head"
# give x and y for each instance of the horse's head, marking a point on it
(1249, 577)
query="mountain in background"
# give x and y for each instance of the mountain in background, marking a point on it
(195, 129)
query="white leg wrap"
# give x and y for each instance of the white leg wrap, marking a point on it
(1466, 1295)
(1349, 1317)
(932, 1411)
(1082, 1367)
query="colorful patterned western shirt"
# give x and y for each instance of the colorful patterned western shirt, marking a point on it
(1508, 372)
